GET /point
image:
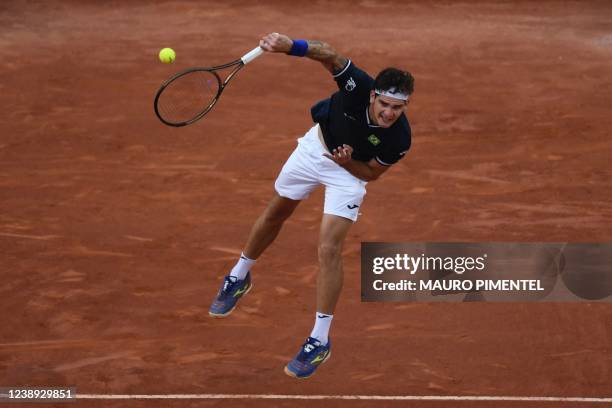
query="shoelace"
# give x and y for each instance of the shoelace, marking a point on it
(227, 286)
(309, 348)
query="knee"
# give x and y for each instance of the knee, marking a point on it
(276, 215)
(330, 252)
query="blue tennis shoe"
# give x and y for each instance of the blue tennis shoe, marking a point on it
(312, 354)
(227, 297)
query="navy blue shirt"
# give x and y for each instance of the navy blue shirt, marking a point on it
(344, 119)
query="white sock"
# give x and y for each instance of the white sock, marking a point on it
(321, 327)
(242, 267)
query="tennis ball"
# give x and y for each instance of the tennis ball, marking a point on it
(167, 55)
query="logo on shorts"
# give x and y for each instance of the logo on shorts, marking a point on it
(374, 140)
(350, 84)
(352, 207)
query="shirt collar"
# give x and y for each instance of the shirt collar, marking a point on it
(368, 118)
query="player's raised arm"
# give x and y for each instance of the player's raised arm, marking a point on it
(316, 50)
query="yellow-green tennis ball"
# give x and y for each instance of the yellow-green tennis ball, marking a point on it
(167, 55)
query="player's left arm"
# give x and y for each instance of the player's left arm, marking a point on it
(366, 171)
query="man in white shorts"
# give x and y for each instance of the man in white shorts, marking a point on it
(359, 132)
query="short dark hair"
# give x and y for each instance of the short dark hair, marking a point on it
(388, 78)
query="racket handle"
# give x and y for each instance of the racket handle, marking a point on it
(251, 55)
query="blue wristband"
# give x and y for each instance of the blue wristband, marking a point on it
(299, 48)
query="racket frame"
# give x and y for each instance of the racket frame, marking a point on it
(239, 63)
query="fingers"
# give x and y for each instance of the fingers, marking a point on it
(264, 45)
(267, 42)
(338, 153)
(343, 151)
(348, 149)
(275, 42)
(341, 154)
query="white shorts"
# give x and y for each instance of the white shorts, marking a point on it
(306, 168)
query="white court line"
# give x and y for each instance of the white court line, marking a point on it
(342, 397)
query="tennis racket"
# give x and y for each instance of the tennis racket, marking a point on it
(190, 94)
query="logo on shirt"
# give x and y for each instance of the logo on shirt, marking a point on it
(352, 207)
(374, 140)
(350, 84)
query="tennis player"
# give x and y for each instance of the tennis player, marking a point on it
(358, 134)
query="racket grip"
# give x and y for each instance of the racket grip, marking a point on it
(251, 55)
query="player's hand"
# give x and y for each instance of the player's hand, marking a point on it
(340, 155)
(275, 42)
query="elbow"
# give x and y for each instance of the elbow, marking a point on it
(375, 174)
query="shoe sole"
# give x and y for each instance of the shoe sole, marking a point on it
(303, 377)
(221, 316)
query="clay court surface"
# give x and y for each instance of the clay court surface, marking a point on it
(115, 229)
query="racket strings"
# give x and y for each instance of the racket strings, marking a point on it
(188, 96)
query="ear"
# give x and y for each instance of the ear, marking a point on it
(406, 105)
(372, 96)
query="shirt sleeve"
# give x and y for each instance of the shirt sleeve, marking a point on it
(396, 151)
(354, 84)
(389, 158)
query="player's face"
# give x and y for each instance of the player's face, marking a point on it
(384, 110)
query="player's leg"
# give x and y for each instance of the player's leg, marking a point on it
(317, 347)
(343, 197)
(264, 231)
(344, 194)
(330, 278)
(268, 225)
(296, 180)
